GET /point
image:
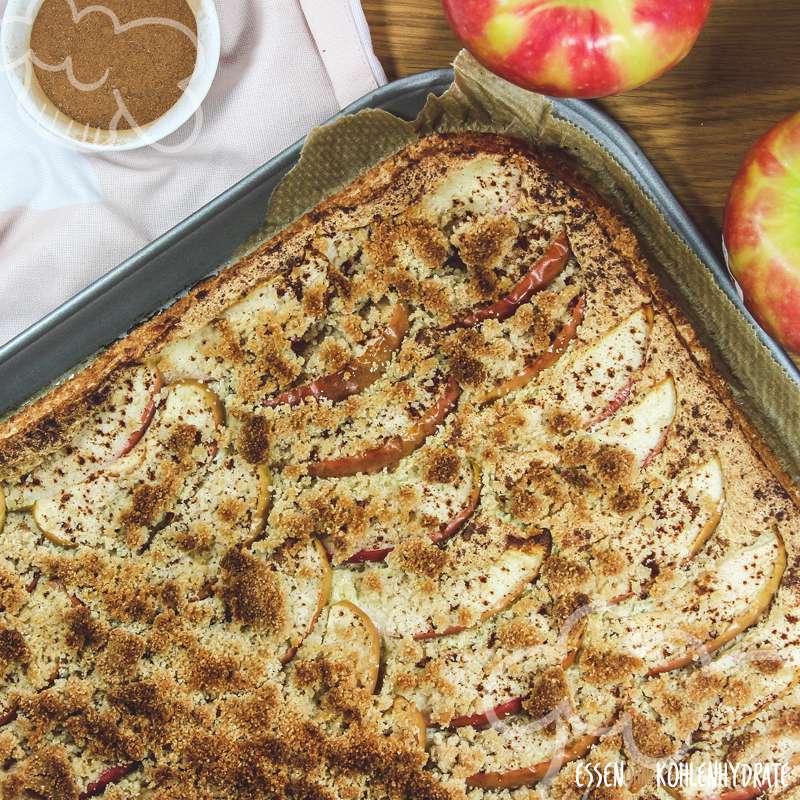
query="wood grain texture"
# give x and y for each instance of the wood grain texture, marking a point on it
(695, 123)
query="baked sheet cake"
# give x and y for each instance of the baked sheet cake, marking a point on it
(434, 495)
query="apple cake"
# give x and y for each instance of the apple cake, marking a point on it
(434, 495)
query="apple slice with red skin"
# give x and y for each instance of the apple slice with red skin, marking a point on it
(615, 405)
(598, 378)
(644, 428)
(758, 606)
(356, 376)
(512, 706)
(538, 277)
(85, 511)
(485, 718)
(395, 449)
(106, 441)
(523, 557)
(673, 528)
(526, 776)
(545, 360)
(110, 776)
(7, 718)
(500, 569)
(447, 529)
(716, 605)
(148, 413)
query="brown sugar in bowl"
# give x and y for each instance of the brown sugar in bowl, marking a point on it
(105, 104)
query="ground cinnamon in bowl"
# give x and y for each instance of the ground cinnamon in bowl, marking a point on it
(114, 64)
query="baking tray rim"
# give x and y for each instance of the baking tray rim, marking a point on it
(585, 115)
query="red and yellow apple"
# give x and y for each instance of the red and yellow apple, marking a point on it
(761, 232)
(578, 48)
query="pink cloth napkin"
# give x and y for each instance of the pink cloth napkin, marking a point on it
(66, 218)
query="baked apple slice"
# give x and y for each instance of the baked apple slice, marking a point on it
(598, 379)
(395, 449)
(275, 596)
(673, 529)
(698, 499)
(104, 443)
(228, 351)
(644, 427)
(111, 509)
(483, 719)
(223, 505)
(405, 720)
(768, 737)
(426, 592)
(545, 360)
(528, 776)
(306, 578)
(261, 513)
(696, 618)
(441, 534)
(356, 376)
(350, 636)
(480, 675)
(536, 745)
(540, 275)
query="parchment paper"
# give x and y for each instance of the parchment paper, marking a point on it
(336, 154)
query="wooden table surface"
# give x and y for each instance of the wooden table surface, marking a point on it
(695, 123)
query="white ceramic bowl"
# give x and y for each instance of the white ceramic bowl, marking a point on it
(15, 35)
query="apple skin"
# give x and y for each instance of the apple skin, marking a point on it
(549, 357)
(386, 455)
(578, 48)
(761, 232)
(539, 276)
(109, 777)
(442, 534)
(485, 718)
(356, 376)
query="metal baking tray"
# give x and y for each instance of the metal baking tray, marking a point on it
(195, 248)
